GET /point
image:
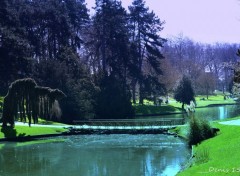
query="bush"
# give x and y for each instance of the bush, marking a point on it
(199, 130)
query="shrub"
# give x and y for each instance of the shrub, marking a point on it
(199, 130)
(207, 130)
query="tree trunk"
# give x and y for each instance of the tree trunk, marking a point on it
(155, 100)
(140, 93)
(183, 106)
(207, 93)
(134, 92)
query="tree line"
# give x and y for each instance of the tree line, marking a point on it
(207, 65)
(103, 62)
(95, 60)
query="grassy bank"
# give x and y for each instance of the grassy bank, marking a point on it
(202, 101)
(151, 109)
(21, 131)
(218, 155)
(175, 107)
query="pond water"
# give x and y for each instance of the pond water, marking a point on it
(105, 155)
(218, 113)
(209, 113)
(96, 155)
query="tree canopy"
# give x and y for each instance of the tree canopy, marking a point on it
(105, 61)
(184, 92)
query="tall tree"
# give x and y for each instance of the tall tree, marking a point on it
(206, 83)
(111, 44)
(184, 92)
(14, 47)
(145, 28)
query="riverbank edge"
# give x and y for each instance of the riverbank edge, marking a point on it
(74, 131)
(191, 161)
(184, 112)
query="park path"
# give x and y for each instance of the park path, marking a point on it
(231, 122)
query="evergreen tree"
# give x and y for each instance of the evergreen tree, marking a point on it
(14, 47)
(145, 28)
(112, 52)
(184, 92)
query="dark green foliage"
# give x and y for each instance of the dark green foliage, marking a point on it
(184, 92)
(114, 100)
(35, 31)
(152, 88)
(80, 103)
(70, 75)
(110, 37)
(144, 27)
(14, 47)
(27, 100)
(199, 130)
(56, 43)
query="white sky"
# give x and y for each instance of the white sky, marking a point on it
(207, 21)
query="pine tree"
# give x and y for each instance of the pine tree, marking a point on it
(112, 52)
(145, 28)
(184, 92)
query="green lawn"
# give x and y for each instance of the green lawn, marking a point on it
(151, 109)
(212, 100)
(175, 107)
(218, 155)
(28, 131)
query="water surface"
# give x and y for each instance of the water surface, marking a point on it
(97, 155)
(209, 113)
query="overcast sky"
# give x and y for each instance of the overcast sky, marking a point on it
(207, 21)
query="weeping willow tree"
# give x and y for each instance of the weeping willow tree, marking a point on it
(27, 101)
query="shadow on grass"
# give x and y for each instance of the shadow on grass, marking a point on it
(47, 123)
(10, 132)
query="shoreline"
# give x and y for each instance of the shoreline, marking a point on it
(183, 112)
(74, 131)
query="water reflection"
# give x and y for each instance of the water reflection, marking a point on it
(209, 113)
(218, 113)
(97, 155)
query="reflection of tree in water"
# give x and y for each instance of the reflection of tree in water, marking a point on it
(135, 161)
(16, 161)
(126, 155)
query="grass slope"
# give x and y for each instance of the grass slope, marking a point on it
(175, 107)
(151, 109)
(218, 155)
(20, 131)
